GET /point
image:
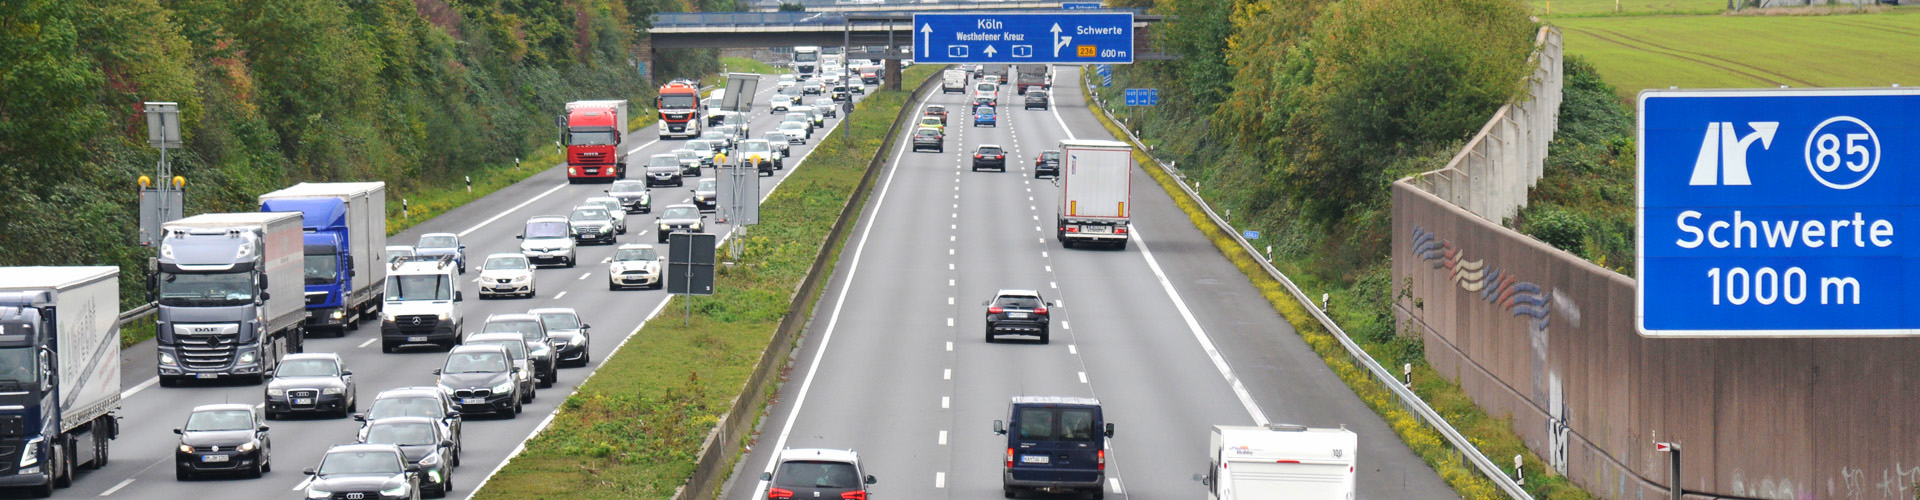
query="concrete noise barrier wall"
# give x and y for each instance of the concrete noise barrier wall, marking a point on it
(1491, 175)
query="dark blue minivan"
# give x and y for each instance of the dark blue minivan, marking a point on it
(1055, 444)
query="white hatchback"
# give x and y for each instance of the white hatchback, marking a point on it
(506, 274)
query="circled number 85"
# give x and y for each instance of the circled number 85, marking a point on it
(1842, 140)
(1829, 155)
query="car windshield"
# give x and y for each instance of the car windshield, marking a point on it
(664, 161)
(931, 121)
(713, 135)
(636, 254)
(593, 138)
(612, 206)
(476, 362)
(528, 328)
(707, 185)
(418, 287)
(687, 154)
(798, 116)
(436, 241)
(824, 102)
(698, 145)
(546, 229)
(566, 320)
(320, 268)
(984, 87)
(220, 420)
(1018, 301)
(401, 433)
(936, 109)
(588, 214)
(631, 186)
(826, 475)
(734, 120)
(406, 407)
(678, 213)
(515, 348)
(505, 262)
(308, 368)
(360, 462)
(792, 125)
(754, 147)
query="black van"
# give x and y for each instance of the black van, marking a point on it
(1055, 444)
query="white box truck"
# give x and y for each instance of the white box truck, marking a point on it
(953, 81)
(1096, 185)
(59, 345)
(1280, 461)
(230, 295)
(345, 246)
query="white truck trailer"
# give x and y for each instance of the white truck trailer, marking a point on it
(59, 345)
(1280, 461)
(1096, 185)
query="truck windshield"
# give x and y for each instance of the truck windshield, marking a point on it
(806, 56)
(16, 365)
(321, 268)
(418, 287)
(592, 138)
(676, 102)
(214, 289)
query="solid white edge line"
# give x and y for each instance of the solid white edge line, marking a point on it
(826, 337)
(1206, 344)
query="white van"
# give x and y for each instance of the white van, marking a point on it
(1280, 461)
(954, 81)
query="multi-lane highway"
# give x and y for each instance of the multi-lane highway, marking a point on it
(894, 366)
(142, 457)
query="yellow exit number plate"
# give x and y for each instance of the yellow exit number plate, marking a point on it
(1085, 50)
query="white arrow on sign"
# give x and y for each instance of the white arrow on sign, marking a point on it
(990, 51)
(926, 36)
(1059, 41)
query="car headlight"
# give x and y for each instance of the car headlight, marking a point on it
(523, 277)
(577, 339)
(443, 316)
(430, 460)
(318, 493)
(247, 357)
(166, 359)
(183, 449)
(333, 390)
(696, 226)
(245, 447)
(276, 392)
(663, 228)
(399, 490)
(503, 387)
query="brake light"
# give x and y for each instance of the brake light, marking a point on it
(995, 310)
(976, 157)
(779, 494)
(854, 495)
(1040, 310)
(999, 157)
(1119, 230)
(1103, 459)
(1073, 229)
(1009, 458)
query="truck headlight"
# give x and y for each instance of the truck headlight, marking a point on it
(248, 357)
(503, 387)
(337, 314)
(166, 359)
(276, 392)
(335, 391)
(31, 455)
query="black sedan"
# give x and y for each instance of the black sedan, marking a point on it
(364, 471)
(222, 439)
(426, 402)
(1037, 99)
(633, 195)
(482, 380)
(1017, 312)
(420, 440)
(990, 156)
(569, 334)
(318, 383)
(1047, 164)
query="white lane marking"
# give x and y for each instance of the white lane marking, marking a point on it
(588, 273)
(124, 484)
(943, 438)
(949, 321)
(953, 226)
(950, 282)
(1206, 344)
(1115, 483)
(946, 402)
(1083, 377)
(476, 227)
(303, 484)
(939, 479)
(949, 251)
(956, 215)
(949, 300)
(1063, 122)
(1036, 217)
(833, 321)
(137, 388)
(947, 375)
(1037, 228)
(1064, 325)
(1049, 268)
(949, 266)
(1073, 350)
(1053, 284)
(363, 345)
(949, 346)
(1043, 254)
(643, 232)
(952, 238)
(558, 296)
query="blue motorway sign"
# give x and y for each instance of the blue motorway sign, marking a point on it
(1778, 213)
(1080, 5)
(1051, 38)
(1250, 234)
(1143, 97)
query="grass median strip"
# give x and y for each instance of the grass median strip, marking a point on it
(635, 428)
(1494, 437)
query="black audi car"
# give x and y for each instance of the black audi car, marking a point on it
(482, 380)
(222, 439)
(420, 439)
(569, 334)
(315, 383)
(990, 156)
(364, 472)
(1017, 312)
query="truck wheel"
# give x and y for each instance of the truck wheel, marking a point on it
(63, 463)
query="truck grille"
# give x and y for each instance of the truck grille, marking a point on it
(314, 299)
(207, 352)
(416, 322)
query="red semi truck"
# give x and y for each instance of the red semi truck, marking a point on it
(679, 105)
(595, 130)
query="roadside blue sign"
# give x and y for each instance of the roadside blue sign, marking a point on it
(1143, 97)
(1250, 234)
(1778, 213)
(1051, 38)
(1080, 5)
(1104, 69)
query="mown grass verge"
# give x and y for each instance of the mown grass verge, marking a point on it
(634, 429)
(1713, 51)
(1493, 436)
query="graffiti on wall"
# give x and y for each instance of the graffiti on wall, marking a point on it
(1502, 288)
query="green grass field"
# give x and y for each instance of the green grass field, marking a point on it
(1655, 52)
(1558, 8)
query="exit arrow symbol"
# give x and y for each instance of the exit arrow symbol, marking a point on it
(990, 51)
(926, 37)
(1059, 41)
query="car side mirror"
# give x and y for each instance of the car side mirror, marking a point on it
(871, 480)
(1109, 430)
(178, 431)
(436, 371)
(519, 236)
(453, 414)
(766, 476)
(1054, 304)
(457, 297)
(584, 326)
(446, 443)
(308, 471)
(346, 373)
(263, 428)
(999, 427)
(362, 417)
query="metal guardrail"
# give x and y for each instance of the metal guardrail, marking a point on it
(136, 313)
(1408, 399)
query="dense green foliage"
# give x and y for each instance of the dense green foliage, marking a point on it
(1584, 201)
(417, 93)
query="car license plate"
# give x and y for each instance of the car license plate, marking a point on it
(1016, 315)
(206, 375)
(303, 401)
(417, 338)
(473, 401)
(1033, 459)
(214, 458)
